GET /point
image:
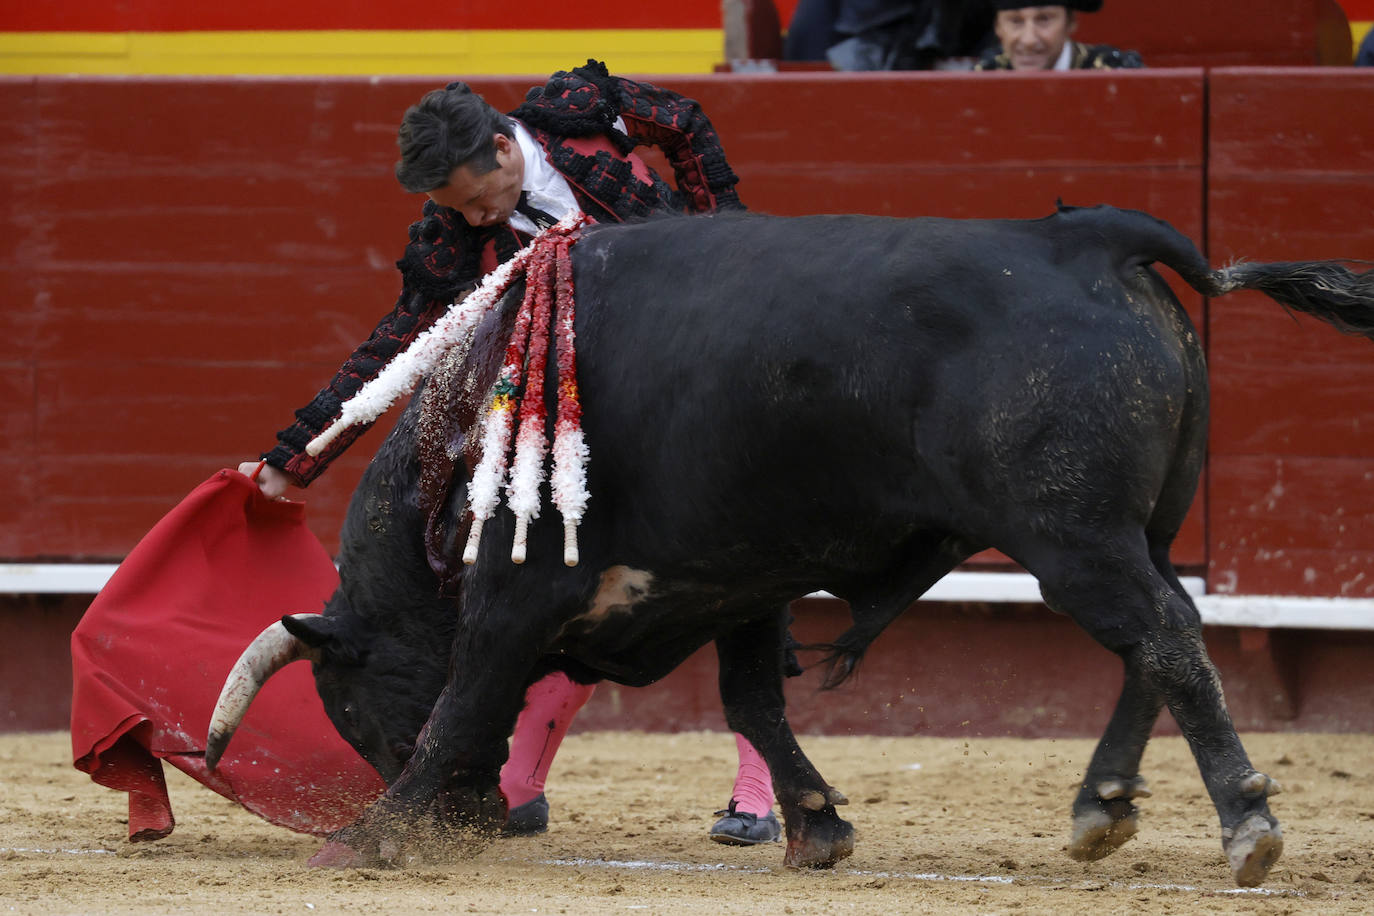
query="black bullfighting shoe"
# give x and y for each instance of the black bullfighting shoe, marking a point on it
(528, 819)
(740, 828)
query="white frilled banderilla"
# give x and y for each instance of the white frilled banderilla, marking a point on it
(546, 310)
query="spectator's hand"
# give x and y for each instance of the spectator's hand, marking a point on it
(271, 482)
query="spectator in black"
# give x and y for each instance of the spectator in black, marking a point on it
(890, 34)
(1038, 38)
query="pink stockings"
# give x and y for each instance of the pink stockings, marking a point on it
(753, 783)
(550, 705)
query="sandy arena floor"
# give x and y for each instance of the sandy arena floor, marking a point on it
(944, 826)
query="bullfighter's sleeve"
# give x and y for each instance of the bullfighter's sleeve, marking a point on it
(587, 100)
(413, 313)
(680, 128)
(440, 263)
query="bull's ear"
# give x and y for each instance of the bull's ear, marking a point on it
(335, 641)
(315, 630)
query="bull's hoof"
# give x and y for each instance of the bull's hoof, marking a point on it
(475, 814)
(1100, 830)
(823, 839)
(373, 841)
(340, 855)
(1252, 849)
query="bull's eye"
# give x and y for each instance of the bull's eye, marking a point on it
(350, 714)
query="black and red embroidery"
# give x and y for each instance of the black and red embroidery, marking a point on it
(572, 116)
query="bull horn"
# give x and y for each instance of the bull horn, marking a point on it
(273, 649)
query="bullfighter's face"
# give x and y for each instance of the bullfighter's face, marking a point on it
(1033, 37)
(486, 198)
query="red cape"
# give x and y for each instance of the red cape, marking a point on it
(152, 652)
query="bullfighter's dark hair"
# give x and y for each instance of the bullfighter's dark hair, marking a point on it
(448, 128)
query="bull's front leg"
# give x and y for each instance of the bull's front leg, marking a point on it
(751, 672)
(447, 802)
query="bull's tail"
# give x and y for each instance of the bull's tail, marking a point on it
(1329, 290)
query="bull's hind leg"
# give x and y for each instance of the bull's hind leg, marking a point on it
(751, 671)
(1104, 811)
(1122, 600)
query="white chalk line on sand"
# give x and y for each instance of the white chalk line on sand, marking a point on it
(646, 865)
(1088, 884)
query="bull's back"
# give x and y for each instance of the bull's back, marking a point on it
(897, 369)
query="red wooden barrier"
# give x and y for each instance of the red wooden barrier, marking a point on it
(186, 260)
(1274, 33)
(1291, 176)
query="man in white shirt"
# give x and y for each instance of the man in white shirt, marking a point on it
(1037, 38)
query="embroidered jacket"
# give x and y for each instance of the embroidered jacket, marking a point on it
(1082, 57)
(572, 116)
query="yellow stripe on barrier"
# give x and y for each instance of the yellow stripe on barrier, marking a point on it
(1358, 30)
(360, 53)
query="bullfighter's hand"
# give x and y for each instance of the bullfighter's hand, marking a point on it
(271, 482)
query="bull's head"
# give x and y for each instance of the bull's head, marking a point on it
(380, 649)
(377, 692)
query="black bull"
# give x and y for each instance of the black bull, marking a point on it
(855, 404)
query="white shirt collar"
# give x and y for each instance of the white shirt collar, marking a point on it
(544, 187)
(1065, 61)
